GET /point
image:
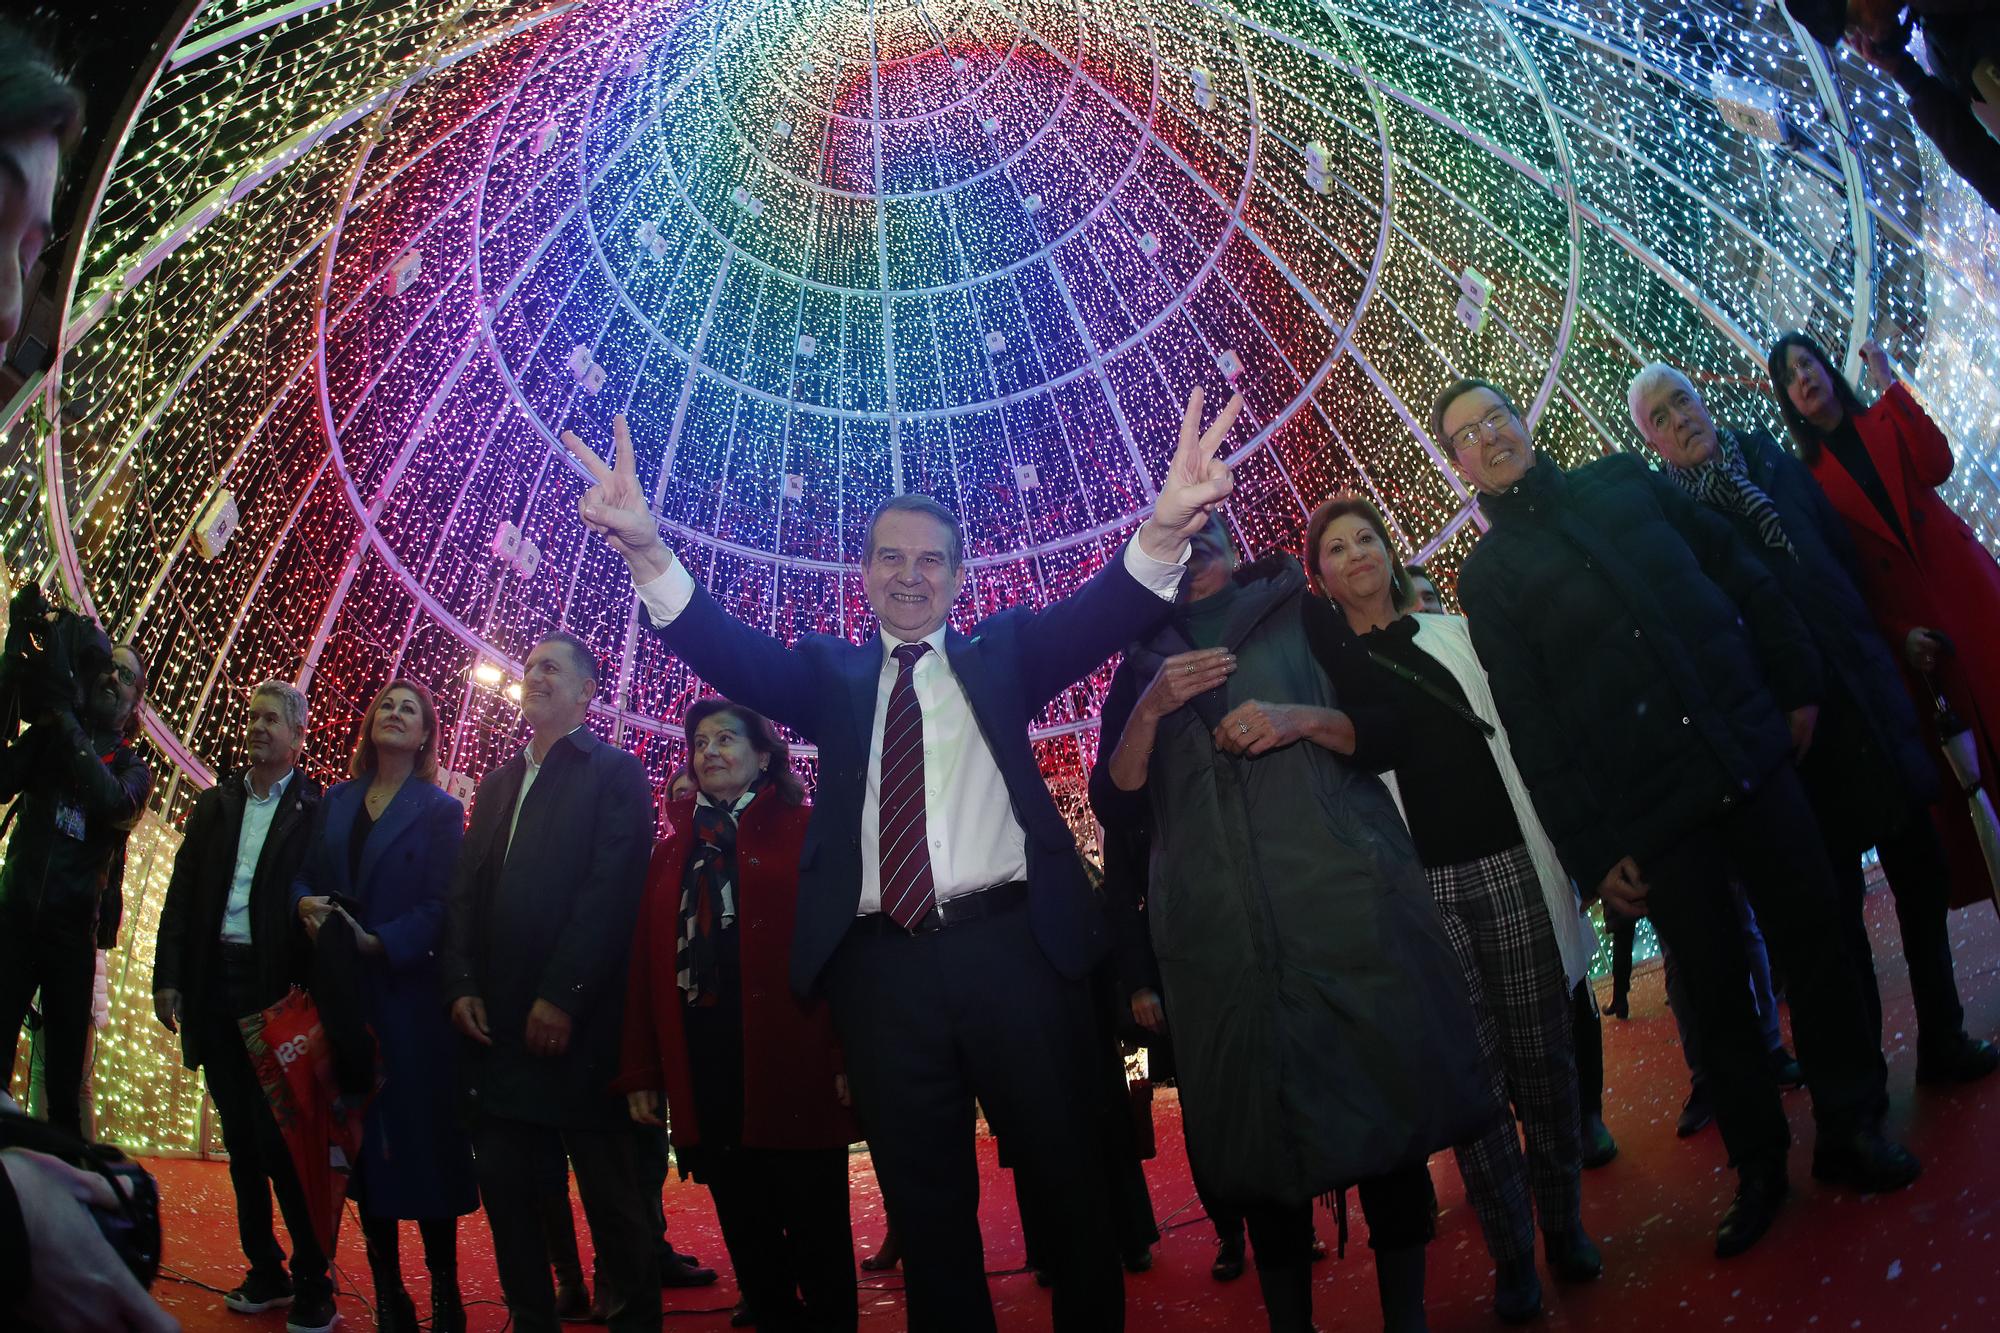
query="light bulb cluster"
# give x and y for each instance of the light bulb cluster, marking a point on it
(359, 267)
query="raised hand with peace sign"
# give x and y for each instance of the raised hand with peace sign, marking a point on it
(616, 508)
(1196, 481)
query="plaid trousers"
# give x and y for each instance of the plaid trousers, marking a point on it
(1499, 927)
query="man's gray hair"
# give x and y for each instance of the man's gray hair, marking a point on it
(1657, 375)
(291, 702)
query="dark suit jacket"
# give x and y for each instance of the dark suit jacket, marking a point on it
(552, 921)
(190, 936)
(1011, 666)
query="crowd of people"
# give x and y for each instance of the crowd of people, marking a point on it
(1349, 841)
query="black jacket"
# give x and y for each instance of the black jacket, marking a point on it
(188, 945)
(1859, 665)
(551, 920)
(58, 773)
(1642, 657)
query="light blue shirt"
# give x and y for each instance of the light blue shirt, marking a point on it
(257, 816)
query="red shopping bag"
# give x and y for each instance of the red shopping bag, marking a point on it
(322, 1128)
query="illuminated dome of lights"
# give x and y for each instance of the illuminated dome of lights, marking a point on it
(355, 263)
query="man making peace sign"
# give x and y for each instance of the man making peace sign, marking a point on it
(941, 901)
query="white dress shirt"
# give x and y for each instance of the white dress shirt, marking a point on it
(976, 839)
(257, 816)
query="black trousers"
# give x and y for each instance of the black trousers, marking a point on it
(259, 1162)
(56, 953)
(785, 1221)
(521, 1166)
(1624, 934)
(1843, 776)
(1919, 875)
(1401, 1209)
(1588, 1026)
(1768, 841)
(928, 1023)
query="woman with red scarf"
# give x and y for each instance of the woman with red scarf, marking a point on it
(1933, 587)
(750, 1073)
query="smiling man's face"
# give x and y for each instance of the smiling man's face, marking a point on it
(1488, 441)
(913, 575)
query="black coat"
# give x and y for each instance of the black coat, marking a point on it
(551, 921)
(1320, 1018)
(1642, 658)
(186, 950)
(55, 767)
(1894, 772)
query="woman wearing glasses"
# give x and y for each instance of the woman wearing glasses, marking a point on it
(1507, 904)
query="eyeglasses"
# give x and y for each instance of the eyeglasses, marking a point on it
(1488, 426)
(126, 675)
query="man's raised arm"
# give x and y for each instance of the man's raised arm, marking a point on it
(750, 667)
(1069, 639)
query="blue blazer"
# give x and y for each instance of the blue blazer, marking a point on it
(1012, 665)
(415, 1161)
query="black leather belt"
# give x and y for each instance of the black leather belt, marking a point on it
(952, 912)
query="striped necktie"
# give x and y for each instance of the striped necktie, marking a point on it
(904, 842)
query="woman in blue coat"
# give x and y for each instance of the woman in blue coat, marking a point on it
(382, 859)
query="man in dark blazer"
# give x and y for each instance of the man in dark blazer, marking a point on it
(537, 933)
(942, 904)
(229, 946)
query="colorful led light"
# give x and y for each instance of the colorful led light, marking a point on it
(349, 252)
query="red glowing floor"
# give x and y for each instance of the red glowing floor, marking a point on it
(1923, 1259)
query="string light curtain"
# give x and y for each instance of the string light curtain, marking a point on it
(355, 263)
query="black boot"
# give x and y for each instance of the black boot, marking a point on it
(441, 1257)
(395, 1312)
(1399, 1281)
(1288, 1297)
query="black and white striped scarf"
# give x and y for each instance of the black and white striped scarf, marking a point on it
(1723, 482)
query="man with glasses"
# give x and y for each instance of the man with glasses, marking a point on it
(1658, 689)
(81, 787)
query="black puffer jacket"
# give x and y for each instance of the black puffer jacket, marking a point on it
(1821, 584)
(1642, 658)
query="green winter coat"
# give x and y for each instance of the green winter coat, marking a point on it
(1319, 1016)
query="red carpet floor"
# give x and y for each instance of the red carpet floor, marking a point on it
(1919, 1260)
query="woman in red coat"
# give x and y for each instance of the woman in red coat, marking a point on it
(1927, 577)
(751, 1074)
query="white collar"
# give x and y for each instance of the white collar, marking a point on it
(735, 807)
(935, 639)
(277, 788)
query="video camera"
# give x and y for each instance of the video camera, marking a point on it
(49, 659)
(133, 1228)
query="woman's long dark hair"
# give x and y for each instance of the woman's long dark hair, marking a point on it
(1806, 439)
(764, 739)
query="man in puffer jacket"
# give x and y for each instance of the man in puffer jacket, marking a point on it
(1659, 689)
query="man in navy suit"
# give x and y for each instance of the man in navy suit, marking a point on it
(941, 902)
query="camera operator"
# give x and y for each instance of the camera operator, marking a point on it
(78, 786)
(63, 1275)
